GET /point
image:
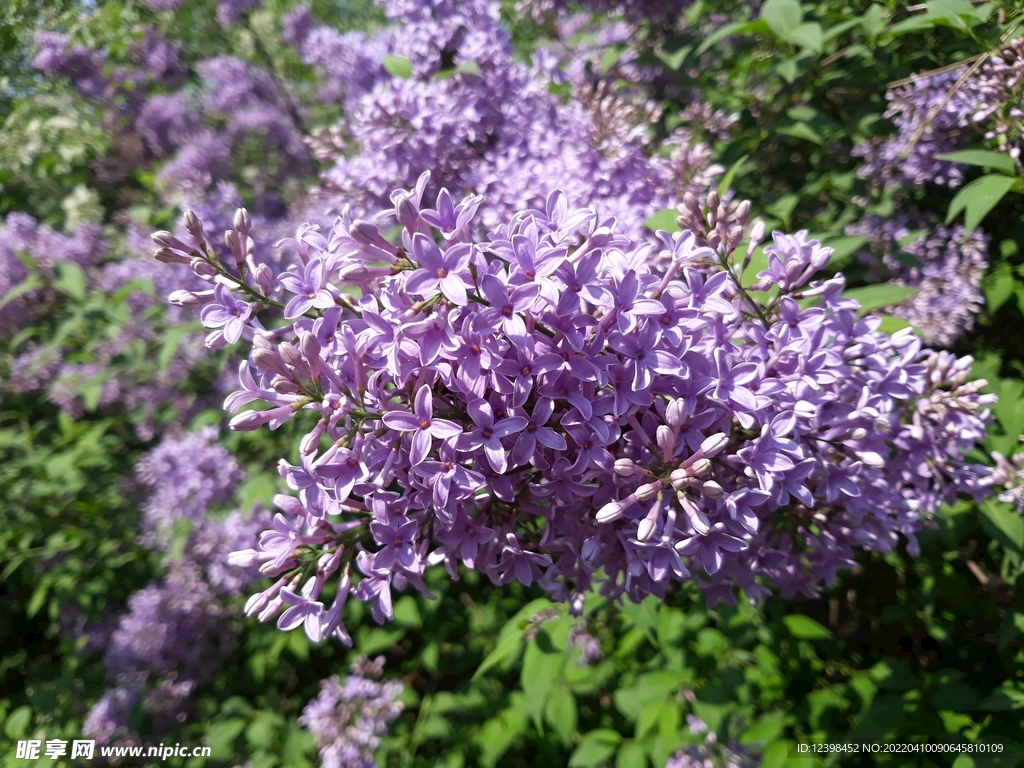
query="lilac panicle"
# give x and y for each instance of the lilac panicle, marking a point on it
(668, 418)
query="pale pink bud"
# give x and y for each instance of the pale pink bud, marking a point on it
(648, 491)
(700, 467)
(242, 221)
(666, 439)
(713, 445)
(167, 256)
(201, 268)
(712, 489)
(609, 512)
(167, 239)
(645, 529)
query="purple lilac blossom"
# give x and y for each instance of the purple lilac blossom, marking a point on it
(712, 753)
(348, 718)
(945, 264)
(909, 106)
(493, 127)
(648, 460)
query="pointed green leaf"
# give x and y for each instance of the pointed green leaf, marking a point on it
(561, 714)
(872, 297)
(665, 220)
(596, 747)
(70, 280)
(978, 198)
(399, 66)
(805, 628)
(983, 158)
(782, 16)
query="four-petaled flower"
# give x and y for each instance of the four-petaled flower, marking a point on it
(308, 288)
(227, 311)
(439, 270)
(422, 424)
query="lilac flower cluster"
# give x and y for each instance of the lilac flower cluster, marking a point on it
(712, 753)
(557, 400)
(483, 122)
(1009, 478)
(946, 111)
(32, 251)
(909, 108)
(348, 719)
(176, 631)
(26, 245)
(945, 264)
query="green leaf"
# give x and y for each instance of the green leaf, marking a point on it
(805, 628)
(758, 27)
(784, 207)
(978, 198)
(665, 220)
(70, 280)
(560, 714)
(999, 286)
(221, 737)
(469, 67)
(891, 324)
(540, 670)
(631, 755)
(983, 158)
(872, 297)
(673, 60)
(843, 248)
(18, 722)
(806, 36)
(407, 613)
(802, 130)
(782, 16)
(510, 646)
(1002, 522)
(726, 182)
(398, 66)
(596, 747)
(28, 284)
(611, 58)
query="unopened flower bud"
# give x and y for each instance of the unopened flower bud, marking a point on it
(195, 228)
(742, 212)
(609, 512)
(166, 239)
(666, 439)
(871, 458)
(256, 604)
(264, 278)
(269, 360)
(234, 245)
(284, 386)
(185, 299)
(648, 491)
(712, 489)
(757, 232)
(242, 221)
(713, 445)
(628, 468)
(700, 467)
(680, 478)
(645, 529)
(201, 268)
(245, 558)
(858, 434)
(167, 256)
(590, 549)
(311, 441)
